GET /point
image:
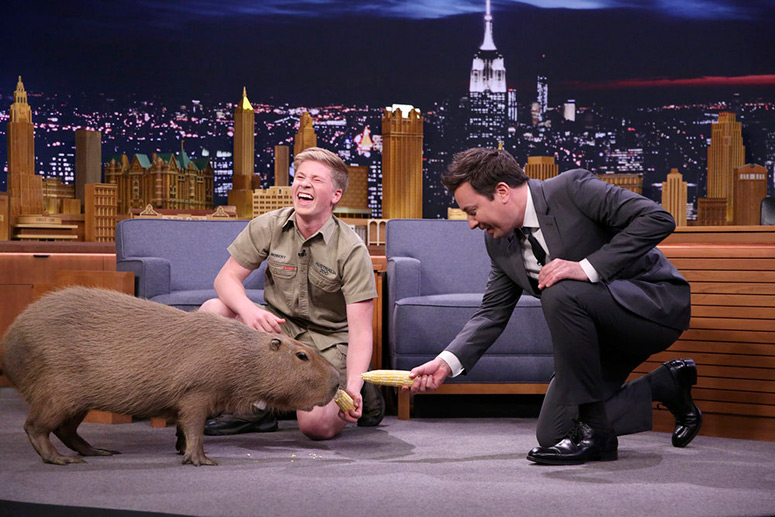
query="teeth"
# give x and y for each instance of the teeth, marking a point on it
(305, 196)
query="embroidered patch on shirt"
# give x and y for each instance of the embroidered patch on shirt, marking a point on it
(327, 271)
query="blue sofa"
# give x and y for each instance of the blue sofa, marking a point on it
(436, 274)
(175, 261)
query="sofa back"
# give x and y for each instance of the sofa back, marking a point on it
(196, 250)
(452, 256)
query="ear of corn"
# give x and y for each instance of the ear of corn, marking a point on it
(388, 377)
(343, 400)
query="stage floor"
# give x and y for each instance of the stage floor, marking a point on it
(424, 466)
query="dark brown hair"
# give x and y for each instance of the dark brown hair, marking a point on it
(483, 169)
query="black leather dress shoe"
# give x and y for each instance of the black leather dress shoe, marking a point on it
(373, 406)
(582, 444)
(688, 417)
(224, 425)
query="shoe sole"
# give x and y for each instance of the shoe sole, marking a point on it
(559, 461)
(692, 371)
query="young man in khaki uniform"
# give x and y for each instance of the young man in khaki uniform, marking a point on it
(319, 289)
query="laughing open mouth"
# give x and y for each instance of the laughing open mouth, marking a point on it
(305, 196)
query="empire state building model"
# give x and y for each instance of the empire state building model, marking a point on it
(487, 93)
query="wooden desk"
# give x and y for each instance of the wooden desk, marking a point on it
(731, 270)
(23, 265)
(379, 264)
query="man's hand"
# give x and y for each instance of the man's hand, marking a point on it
(353, 415)
(429, 376)
(559, 269)
(260, 319)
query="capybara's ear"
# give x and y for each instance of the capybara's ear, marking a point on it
(274, 344)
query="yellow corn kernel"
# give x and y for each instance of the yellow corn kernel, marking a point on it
(388, 377)
(343, 400)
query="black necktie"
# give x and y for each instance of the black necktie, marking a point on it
(538, 251)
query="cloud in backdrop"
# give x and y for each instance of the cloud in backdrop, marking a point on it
(381, 51)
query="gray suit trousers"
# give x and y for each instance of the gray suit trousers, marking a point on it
(597, 343)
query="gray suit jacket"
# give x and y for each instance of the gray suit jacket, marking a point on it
(584, 217)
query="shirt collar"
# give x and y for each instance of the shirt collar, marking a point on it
(326, 231)
(531, 217)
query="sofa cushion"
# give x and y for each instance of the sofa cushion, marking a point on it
(437, 271)
(192, 299)
(176, 261)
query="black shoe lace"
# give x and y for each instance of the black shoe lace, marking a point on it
(574, 433)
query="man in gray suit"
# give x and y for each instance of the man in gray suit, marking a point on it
(611, 299)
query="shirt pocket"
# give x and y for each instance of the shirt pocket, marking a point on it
(281, 270)
(329, 285)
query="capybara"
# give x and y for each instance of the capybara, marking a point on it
(81, 348)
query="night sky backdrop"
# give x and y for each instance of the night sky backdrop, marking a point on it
(318, 52)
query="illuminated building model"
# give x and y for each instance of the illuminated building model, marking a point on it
(356, 197)
(305, 137)
(25, 188)
(282, 166)
(26, 207)
(750, 187)
(241, 193)
(272, 198)
(725, 153)
(88, 160)
(541, 167)
(711, 211)
(487, 94)
(402, 137)
(163, 181)
(100, 203)
(674, 190)
(59, 198)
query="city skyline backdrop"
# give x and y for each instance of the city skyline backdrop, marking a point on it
(125, 61)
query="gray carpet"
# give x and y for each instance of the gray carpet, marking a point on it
(423, 467)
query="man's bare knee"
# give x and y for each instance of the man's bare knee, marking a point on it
(320, 430)
(216, 306)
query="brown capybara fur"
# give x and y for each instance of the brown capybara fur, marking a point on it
(80, 348)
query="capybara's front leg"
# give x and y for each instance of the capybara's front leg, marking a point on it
(68, 433)
(38, 427)
(191, 420)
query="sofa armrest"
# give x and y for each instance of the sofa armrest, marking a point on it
(152, 275)
(403, 280)
(403, 277)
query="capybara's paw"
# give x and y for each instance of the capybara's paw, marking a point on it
(63, 460)
(197, 460)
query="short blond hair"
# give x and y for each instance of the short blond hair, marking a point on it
(339, 173)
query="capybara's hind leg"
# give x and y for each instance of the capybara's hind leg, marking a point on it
(68, 433)
(38, 426)
(180, 439)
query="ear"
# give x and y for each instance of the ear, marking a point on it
(337, 196)
(502, 192)
(274, 344)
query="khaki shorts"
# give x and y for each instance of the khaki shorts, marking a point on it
(334, 353)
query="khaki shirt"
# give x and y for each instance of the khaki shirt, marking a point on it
(308, 282)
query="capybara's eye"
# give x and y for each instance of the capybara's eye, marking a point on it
(302, 356)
